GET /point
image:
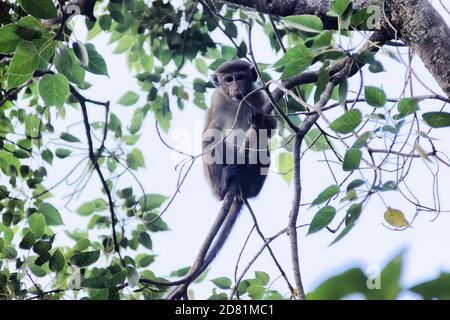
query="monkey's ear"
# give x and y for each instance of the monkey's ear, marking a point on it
(215, 79)
(253, 74)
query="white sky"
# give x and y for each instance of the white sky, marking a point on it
(190, 216)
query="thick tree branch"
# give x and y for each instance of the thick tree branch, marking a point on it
(285, 8)
(423, 29)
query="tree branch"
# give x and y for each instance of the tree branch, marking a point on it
(424, 30)
(285, 8)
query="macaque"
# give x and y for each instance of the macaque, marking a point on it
(235, 108)
(234, 168)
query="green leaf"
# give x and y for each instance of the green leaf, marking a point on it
(306, 22)
(117, 279)
(325, 195)
(151, 201)
(434, 289)
(62, 153)
(97, 282)
(437, 119)
(216, 296)
(21, 154)
(37, 270)
(338, 7)
(136, 121)
(28, 241)
(86, 209)
(46, 48)
(47, 156)
(353, 213)
(300, 51)
(295, 60)
(407, 106)
(97, 64)
(145, 240)
(348, 122)
(81, 53)
(154, 223)
(321, 84)
(42, 9)
(29, 21)
(296, 67)
(344, 232)
(285, 164)
(85, 259)
(37, 224)
(315, 141)
(54, 89)
(323, 40)
(338, 287)
(67, 64)
(352, 159)
(128, 99)
(130, 139)
(256, 291)
(9, 252)
(9, 39)
(263, 277)
(322, 219)
(343, 91)
(363, 140)
(180, 272)
(68, 137)
(114, 123)
(51, 214)
(57, 261)
(201, 66)
(23, 64)
(376, 67)
(222, 283)
(105, 22)
(132, 276)
(375, 96)
(355, 184)
(135, 159)
(390, 281)
(144, 260)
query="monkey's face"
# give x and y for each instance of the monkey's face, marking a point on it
(236, 85)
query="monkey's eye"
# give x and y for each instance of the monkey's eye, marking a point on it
(229, 79)
(240, 77)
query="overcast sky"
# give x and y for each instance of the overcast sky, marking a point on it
(368, 245)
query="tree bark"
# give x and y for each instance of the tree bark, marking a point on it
(424, 30)
(283, 8)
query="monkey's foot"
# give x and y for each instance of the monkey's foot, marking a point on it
(229, 174)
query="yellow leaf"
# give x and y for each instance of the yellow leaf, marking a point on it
(396, 218)
(421, 152)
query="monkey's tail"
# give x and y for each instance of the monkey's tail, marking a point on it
(225, 230)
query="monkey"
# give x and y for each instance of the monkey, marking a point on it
(236, 80)
(235, 107)
(237, 175)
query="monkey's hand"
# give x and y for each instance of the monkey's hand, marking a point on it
(230, 174)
